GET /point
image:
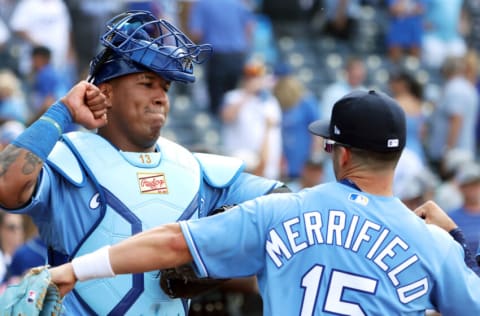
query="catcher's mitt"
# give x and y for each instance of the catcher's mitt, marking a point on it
(34, 295)
(182, 282)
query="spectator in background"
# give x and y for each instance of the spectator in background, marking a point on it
(405, 30)
(408, 92)
(408, 166)
(447, 194)
(88, 21)
(472, 67)
(32, 253)
(355, 74)
(311, 173)
(467, 217)
(44, 85)
(341, 18)
(453, 122)
(4, 34)
(12, 99)
(11, 237)
(227, 25)
(417, 189)
(299, 109)
(6, 58)
(9, 130)
(470, 20)
(251, 120)
(44, 82)
(442, 37)
(46, 23)
(354, 78)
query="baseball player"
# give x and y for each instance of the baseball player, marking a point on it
(342, 248)
(85, 190)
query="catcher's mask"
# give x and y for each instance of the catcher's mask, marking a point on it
(136, 41)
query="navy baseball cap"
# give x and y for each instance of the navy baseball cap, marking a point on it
(369, 120)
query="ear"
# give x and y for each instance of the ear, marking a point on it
(107, 90)
(345, 156)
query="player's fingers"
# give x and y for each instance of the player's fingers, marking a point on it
(91, 91)
(94, 96)
(420, 211)
(99, 113)
(100, 106)
(96, 103)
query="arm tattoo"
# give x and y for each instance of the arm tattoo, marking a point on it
(31, 163)
(7, 157)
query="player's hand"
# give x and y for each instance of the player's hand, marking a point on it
(433, 214)
(87, 104)
(63, 277)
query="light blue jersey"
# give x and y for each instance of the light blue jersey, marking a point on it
(90, 194)
(333, 250)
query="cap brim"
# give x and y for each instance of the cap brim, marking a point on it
(320, 128)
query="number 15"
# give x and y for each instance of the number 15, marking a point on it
(333, 299)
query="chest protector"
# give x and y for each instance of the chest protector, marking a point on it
(136, 191)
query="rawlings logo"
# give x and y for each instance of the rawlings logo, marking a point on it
(152, 183)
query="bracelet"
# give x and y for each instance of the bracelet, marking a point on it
(94, 265)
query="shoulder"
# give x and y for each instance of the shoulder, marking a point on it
(64, 161)
(219, 171)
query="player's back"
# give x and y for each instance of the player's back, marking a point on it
(339, 251)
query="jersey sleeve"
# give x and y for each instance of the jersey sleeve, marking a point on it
(40, 197)
(457, 288)
(230, 244)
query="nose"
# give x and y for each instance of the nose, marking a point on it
(161, 98)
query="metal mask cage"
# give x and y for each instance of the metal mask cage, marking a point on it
(155, 44)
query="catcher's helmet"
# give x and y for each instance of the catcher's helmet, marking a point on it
(136, 41)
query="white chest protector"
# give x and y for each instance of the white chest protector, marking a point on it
(137, 191)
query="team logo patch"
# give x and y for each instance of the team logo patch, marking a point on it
(392, 143)
(152, 183)
(31, 296)
(358, 198)
(95, 201)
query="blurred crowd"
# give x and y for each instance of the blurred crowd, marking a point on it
(259, 98)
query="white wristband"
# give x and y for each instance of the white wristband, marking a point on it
(94, 265)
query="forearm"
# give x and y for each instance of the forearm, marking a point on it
(158, 248)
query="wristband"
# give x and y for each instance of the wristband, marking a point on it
(42, 135)
(459, 237)
(59, 114)
(94, 265)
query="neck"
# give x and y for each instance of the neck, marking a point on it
(126, 145)
(379, 183)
